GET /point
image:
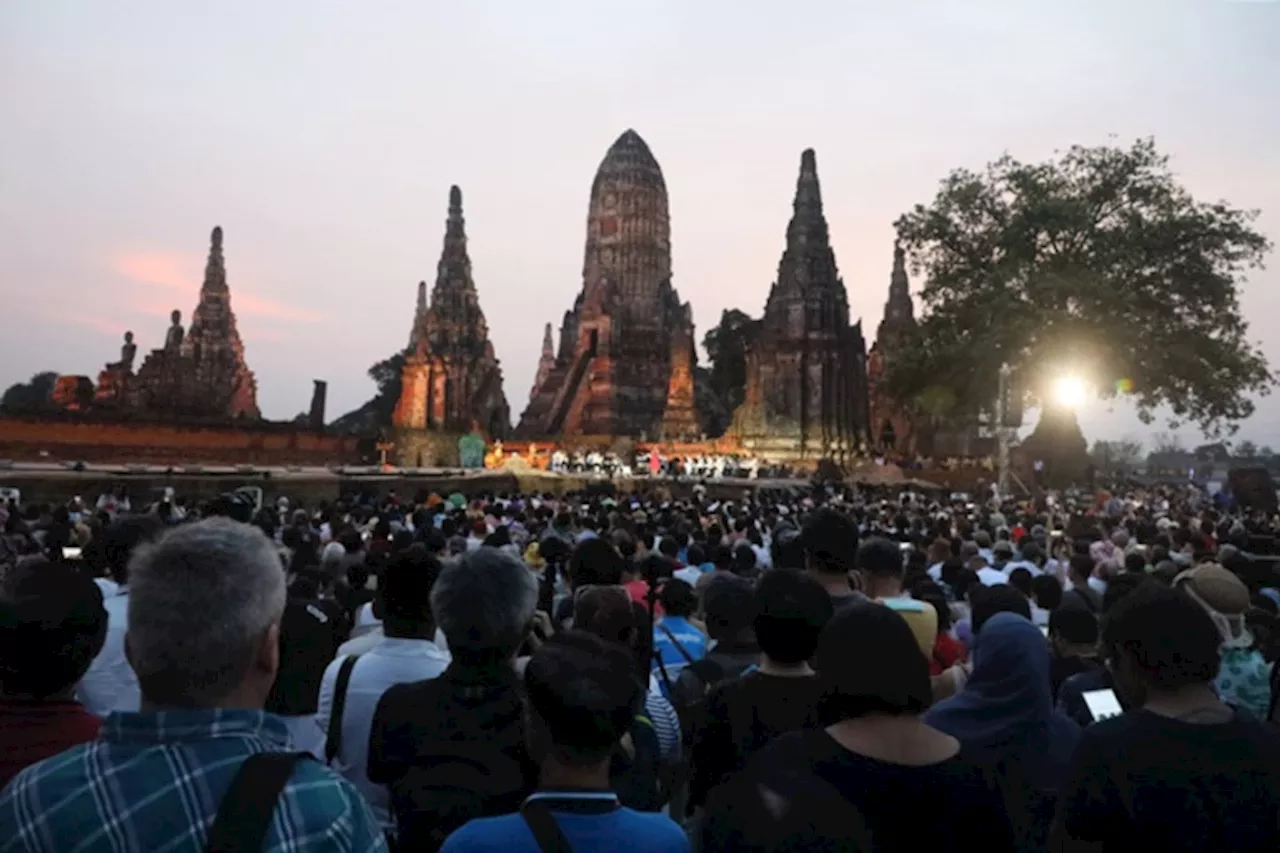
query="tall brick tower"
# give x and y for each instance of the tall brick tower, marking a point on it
(452, 379)
(806, 394)
(612, 374)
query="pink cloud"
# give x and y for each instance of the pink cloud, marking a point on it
(160, 269)
(173, 271)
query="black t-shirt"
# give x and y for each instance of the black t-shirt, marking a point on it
(450, 749)
(310, 633)
(842, 602)
(1062, 668)
(744, 714)
(950, 806)
(1083, 598)
(1146, 782)
(352, 599)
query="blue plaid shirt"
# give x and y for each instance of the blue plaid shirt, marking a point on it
(151, 783)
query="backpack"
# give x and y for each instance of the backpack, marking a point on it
(464, 769)
(797, 805)
(691, 705)
(463, 781)
(635, 765)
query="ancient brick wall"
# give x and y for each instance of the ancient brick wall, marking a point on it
(66, 439)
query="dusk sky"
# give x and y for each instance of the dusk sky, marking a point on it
(323, 137)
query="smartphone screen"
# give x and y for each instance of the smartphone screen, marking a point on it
(1102, 704)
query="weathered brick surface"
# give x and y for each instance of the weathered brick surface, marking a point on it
(71, 439)
(806, 394)
(452, 378)
(628, 330)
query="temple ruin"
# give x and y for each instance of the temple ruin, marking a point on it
(806, 394)
(197, 374)
(624, 364)
(452, 380)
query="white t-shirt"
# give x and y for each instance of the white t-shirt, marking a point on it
(689, 574)
(1022, 564)
(110, 589)
(110, 684)
(991, 577)
(763, 558)
(392, 661)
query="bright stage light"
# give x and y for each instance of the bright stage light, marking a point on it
(1070, 391)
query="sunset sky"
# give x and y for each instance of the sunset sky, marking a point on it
(323, 137)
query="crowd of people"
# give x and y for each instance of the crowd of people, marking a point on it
(703, 466)
(840, 670)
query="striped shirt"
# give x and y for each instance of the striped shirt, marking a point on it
(665, 722)
(152, 782)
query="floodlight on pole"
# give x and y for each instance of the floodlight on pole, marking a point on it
(1070, 392)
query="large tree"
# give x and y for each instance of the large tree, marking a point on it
(376, 412)
(1096, 263)
(726, 345)
(31, 395)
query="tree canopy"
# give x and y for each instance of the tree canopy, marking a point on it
(1096, 263)
(31, 395)
(376, 412)
(726, 345)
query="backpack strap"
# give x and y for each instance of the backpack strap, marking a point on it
(546, 831)
(244, 815)
(679, 647)
(333, 737)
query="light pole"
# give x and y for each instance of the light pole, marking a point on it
(1002, 434)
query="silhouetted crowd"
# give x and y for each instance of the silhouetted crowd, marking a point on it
(840, 670)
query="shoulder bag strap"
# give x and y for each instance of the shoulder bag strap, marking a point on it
(662, 673)
(244, 815)
(546, 831)
(333, 737)
(680, 648)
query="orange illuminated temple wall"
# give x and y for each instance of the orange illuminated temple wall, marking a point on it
(69, 438)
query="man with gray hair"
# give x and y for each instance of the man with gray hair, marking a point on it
(200, 765)
(452, 748)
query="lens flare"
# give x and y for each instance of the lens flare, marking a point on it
(1070, 391)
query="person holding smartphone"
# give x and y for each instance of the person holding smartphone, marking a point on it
(1183, 771)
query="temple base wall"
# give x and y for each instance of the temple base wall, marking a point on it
(420, 448)
(69, 438)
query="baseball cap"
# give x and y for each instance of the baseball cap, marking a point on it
(1216, 587)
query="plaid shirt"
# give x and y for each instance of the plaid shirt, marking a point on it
(151, 783)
